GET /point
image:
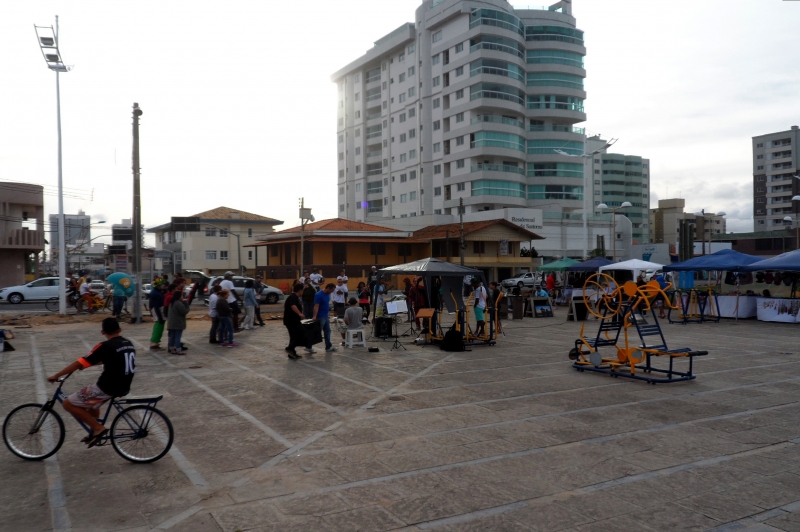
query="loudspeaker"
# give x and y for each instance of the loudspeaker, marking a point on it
(382, 327)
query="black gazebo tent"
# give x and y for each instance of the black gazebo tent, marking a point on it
(451, 275)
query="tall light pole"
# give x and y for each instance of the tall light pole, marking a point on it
(702, 214)
(48, 42)
(602, 206)
(585, 156)
(796, 222)
(137, 216)
(305, 217)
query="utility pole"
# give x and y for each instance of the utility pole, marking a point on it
(447, 244)
(137, 219)
(302, 237)
(461, 244)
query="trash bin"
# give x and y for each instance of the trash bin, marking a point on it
(517, 307)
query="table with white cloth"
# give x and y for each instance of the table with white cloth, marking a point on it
(728, 306)
(780, 310)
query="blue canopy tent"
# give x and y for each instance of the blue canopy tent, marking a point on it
(786, 262)
(591, 265)
(726, 260)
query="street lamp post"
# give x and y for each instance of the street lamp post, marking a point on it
(48, 42)
(796, 222)
(702, 214)
(305, 217)
(625, 205)
(585, 156)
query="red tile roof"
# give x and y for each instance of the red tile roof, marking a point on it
(339, 224)
(224, 213)
(433, 232)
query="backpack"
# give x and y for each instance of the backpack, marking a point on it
(453, 341)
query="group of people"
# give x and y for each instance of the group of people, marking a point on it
(225, 309)
(80, 287)
(168, 307)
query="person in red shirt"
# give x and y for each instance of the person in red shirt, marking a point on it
(551, 282)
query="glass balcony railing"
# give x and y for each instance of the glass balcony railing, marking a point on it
(497, 144)
(496, 47)
(374, 135)
(497, 120)
(556, 127)
(498, 168)
(497, 72)
(497, 95)
(374, 78)
(373, 97)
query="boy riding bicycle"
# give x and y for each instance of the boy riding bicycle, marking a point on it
(117, 355)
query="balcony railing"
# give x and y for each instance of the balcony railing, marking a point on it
(497, 120)
(509, 145)
(375, 135)
(552, 105)
(496, 47)
(374, 78)
(497, 72)
(373, 97)
(498, 95)
(557, 127)
(374, 153)
(374, 172)
(22, 238)
(374, 116)
(498, 168)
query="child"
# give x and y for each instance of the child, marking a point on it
(224, 314)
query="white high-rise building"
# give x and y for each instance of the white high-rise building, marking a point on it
(775, 163)
(467, 103)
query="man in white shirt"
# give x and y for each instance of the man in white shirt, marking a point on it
(86, 294)
(480, 306)
(303, 277)
(316, 279)
(233, 298)
(343, 277)
(338, 297)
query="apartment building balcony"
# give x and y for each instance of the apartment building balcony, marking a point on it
(23, 238)
(498, 168)
(493, 119)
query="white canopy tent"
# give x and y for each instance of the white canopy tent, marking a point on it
(634, 265)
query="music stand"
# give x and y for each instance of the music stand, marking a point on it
(393, 308)
(427, 314)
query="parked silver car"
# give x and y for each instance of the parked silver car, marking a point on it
(529, 279)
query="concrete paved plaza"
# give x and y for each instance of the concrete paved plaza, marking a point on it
(498, 438)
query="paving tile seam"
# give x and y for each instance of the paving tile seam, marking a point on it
(278, 383)
(382, 366)
(541, 450)
(608, 407)
(333, 373)
(491, 401)
(465, 518)
(55, 485)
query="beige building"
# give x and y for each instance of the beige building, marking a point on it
(21, 232)
(665, 222)
(218, 246)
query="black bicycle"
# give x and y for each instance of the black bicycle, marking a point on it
(140, 432)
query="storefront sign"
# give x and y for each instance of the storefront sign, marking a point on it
(504, 248)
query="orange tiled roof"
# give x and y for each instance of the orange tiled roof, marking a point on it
(339, 224)
(224, 213)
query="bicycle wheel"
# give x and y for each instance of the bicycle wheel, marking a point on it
(51, 304)
(32, 433)
(80, 305)
(141, 434)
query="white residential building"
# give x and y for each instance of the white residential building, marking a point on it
(775, 163)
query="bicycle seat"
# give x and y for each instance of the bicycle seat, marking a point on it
(139, 399)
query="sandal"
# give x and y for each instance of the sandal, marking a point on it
(96, 438)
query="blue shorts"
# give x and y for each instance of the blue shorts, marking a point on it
(479, 314)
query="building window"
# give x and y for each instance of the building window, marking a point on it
(341, 139)
(411, 49)
(211, 255)
(435, 59)
(437, 36)
(341, 156)
(479, 247)
(341, 207)
(436, 81)
(436, 103)
(402, 157)
(460, 163)
(760, 145)
(460, 47)
(223, 255)
(760, 168)
(184, 255)
(411, 71)
(460, 187)
(412, 196)
(250, 233)
(460, 140)
(223, 233)
(377, 248)
(759, 156)
(402, 97)
(437, 125)
(341, 173)
(412, 112)
(403, 178)
(459, 71)
(412, 133)
(341, 191)
(437, 147)
(760, 200)
(210, 231)
(401, 57)
(358, 150)
(437, 169)
(460, 117)
(402, 137)
(412, 175)
(401, 78)
(412, 154)
(358, 168)
(412, 91)
(358, 114)
(403, 198)
(437, 191)
(402, 117)
(357, 96)
(358, 205)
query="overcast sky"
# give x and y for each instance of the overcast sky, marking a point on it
(239, 109)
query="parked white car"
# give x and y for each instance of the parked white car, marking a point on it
(40, 289)
(528, 279)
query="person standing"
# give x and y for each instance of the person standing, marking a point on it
(176, 322)
(157, 311)
(322, 308)
(308, 299)
(480, 306)
(339, 297)
(233, 299)
(372, 282)
(363, 294)
(292, 318)
(416, 296)
(343, 277)
(249, 304)
(303, 277)
(119, 301)
(259, 288)
(224, 314)
(316, 279)
(214, 335)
